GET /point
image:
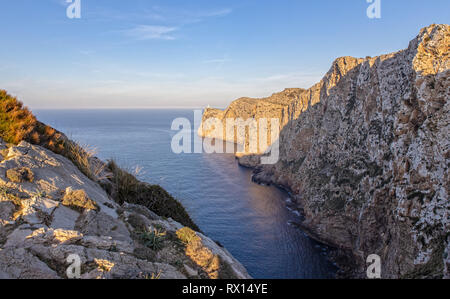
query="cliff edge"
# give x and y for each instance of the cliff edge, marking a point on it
(69, 215)
(367, 158)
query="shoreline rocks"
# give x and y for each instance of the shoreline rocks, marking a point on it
(367, 160)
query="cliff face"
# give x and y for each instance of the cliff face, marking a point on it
(51, 211)
(367, 160)
(285, 106)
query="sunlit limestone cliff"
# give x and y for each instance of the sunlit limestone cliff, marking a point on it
(60, 205)
(366, 152)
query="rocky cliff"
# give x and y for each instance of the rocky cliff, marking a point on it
(51, 215)
(284, 106)
(366, 153)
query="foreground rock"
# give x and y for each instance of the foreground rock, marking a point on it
(367, 161)
(59, 213)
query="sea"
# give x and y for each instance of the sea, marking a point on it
(257, 224)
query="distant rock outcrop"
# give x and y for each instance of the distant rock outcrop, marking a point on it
(50, 211)
(285, 106)
(366, 153)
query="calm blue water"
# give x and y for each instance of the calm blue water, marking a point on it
(253, 222)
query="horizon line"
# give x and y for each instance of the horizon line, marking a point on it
(123, 108)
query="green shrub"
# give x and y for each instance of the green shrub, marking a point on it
(126, 188)
(153, 239)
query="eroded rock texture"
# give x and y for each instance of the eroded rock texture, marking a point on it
(60, 212)
(367, 159)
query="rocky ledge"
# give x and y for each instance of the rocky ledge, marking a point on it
(367, 158)
(50, 212)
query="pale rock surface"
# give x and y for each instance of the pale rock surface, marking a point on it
(45, 221)
(367, 158)
(284, 106)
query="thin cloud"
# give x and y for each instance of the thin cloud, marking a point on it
(112, 15)
(189, 17)
(215, 13)
(86, 52)
(185, 17)
(142, 92)
(294, 79)
(61, 2)
(165, 21)
(214, 61)
(158, 14)
(148, 32)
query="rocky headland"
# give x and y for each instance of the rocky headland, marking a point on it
(60, 205)
(365, 153)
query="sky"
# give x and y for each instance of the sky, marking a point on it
(186, 54)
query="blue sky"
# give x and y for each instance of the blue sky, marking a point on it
(178, 53)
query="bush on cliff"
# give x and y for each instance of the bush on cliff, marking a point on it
(126, 188)
(17, 123)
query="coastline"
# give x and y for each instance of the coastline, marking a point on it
(354, 158)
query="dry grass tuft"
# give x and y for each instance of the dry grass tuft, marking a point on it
(126, 188)
(202, 256)
(83, 156)
(17, 123)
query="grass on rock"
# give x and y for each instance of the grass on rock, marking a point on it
(17, 123)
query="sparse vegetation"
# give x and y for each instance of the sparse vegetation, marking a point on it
(79, 201)
(433, 269)
(202, 256)
(40, 193)
(17, 124)
(156, 276)
(8, 195)
(153, 239)
(20, 175)
(187, 235)
(126, 188)
(148, 276)
(83, 156)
